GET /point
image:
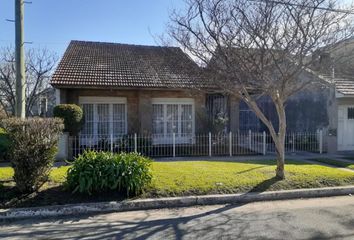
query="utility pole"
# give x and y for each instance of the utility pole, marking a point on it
(20, 61)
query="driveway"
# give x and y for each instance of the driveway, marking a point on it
(321, 218)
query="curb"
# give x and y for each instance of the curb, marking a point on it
(157, 203)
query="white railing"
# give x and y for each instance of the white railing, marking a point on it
(230, 144)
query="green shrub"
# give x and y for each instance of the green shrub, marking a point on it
(4, 144)
(94, 172)
(33, 146)
(72, 115)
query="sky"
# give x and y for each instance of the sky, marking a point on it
(53, 23)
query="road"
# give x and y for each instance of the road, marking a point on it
(321, 218)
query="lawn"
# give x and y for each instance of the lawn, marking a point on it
(206, 177)
(56, 176)
(338, 163)
(198, 177)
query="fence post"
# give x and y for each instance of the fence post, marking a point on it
(293, 150)
(209, 144)
(135, 143)
(264, 143)
(174, 144)
(321, 141)
(250, 139)
(230, 143)
(111, 142)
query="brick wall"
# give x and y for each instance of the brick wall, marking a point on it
(139, 105)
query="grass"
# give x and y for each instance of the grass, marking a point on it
(57, 175)
(199, 177)
(337, 163)
(6, 173)
(205, 177)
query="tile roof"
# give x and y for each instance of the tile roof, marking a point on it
(98, 64)
(344, 85)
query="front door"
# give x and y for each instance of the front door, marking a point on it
(346, 128)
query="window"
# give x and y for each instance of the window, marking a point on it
(104, 116)
(218, 109)
(248, 119)
(172, 116)
(350, 112)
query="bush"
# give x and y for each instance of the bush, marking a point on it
(4, 144)
(95, 172)
(33, 146)
(72, 115)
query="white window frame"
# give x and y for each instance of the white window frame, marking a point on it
(167, 138)
(106, 100)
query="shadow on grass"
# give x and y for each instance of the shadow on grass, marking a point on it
(265, 185)
(53, 195)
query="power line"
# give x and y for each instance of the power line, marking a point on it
(306, 6)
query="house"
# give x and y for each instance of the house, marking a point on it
(44, 103)
(160, 91)
(336, 63)
(327, 104)
(127, 89)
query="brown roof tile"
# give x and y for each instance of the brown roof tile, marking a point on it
(97, 64)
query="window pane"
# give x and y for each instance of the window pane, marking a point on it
(186, 119)
(89, 118)
(172, 118)
(119, 119)
(103, 119)
(157, 119)
(350, 113)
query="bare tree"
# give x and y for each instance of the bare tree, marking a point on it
(255, 48)
(40, 64)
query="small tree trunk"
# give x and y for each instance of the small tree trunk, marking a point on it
(279, 172)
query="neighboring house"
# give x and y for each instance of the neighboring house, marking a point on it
(44, 103)
(337, 64)
(127, 89)
(328, 105)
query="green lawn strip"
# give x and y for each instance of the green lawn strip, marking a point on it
(207, 177)
(181, 178)
(335, 162)
(57, 175)
(6, 173)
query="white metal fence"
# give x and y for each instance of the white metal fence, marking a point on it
(231, 144)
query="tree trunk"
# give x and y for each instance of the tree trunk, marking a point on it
(279, 139)
(279, 171)
(280, 143)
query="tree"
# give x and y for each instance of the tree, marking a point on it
(260, 48)
(40, 64)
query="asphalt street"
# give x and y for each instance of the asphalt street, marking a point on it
(320, 218)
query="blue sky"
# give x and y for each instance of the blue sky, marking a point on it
(53, 23)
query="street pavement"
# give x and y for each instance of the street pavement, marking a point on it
(320, 218)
